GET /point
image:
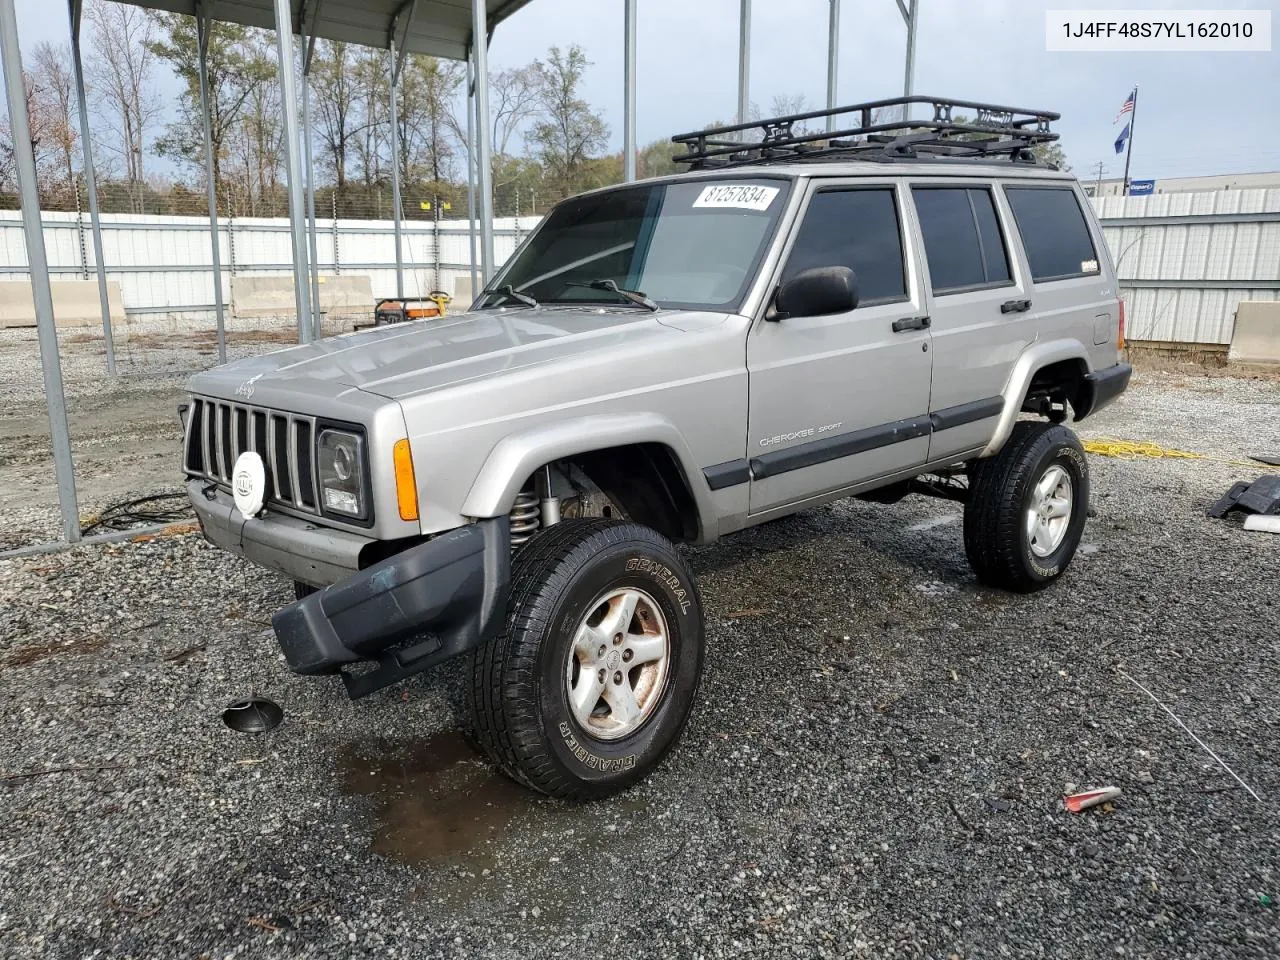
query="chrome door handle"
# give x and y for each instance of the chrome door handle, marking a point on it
(1015, 306)
(911, 323)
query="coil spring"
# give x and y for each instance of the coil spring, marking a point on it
(524, 517)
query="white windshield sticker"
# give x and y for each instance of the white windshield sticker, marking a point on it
(746, 196)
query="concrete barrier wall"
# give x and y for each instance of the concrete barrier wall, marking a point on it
(1256, 336)
(273, 296)
(75, 303)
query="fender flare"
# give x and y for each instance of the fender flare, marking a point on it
(515, 457)
(1032, 359)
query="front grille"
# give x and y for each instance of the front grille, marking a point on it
(217, 432)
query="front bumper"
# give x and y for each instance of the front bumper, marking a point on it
(297, 548)
(409, 612)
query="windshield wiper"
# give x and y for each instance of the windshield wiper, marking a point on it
(511, 293)
(631, 296)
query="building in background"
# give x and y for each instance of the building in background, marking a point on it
(1112, 186)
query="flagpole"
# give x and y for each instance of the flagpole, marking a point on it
(1128, 150)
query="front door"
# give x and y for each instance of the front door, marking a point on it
(841, 399)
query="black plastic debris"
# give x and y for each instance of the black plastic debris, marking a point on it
(1270, 459)
(1261, 496)
(253, 715)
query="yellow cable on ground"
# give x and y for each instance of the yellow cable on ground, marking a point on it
(1133, 449)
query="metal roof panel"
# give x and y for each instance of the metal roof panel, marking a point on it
(440, 28)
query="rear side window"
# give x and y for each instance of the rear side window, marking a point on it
(1054, 232)
(857, 229)
(962, 238)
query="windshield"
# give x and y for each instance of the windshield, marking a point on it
(690, 244)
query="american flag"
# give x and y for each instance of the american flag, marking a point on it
(1127, 107)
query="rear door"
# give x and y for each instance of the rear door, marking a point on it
(1075, 297)
(840, 399)
(980, 306)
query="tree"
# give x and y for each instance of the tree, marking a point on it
(571, 134)
(337, 116)
(259, 142)
(236, 69)
(654, 159)
(514, 98)
(121, 69)
(427, 87)
(1052, 153)
(54, 93)
(372, 88)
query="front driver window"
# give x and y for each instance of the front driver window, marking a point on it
(855, 228)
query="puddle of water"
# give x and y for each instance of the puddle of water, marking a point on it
(438, 799)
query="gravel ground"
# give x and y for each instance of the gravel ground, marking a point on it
(876, 765)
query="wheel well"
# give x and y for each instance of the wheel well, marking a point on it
(646, 480)
(1053, 386)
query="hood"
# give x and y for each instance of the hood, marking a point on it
(419, 356)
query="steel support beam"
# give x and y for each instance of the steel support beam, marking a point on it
(471, 173)
(629, 92)
(202, 40)
(744, 61)
(484, 162)
(395, 173)
(911, 15)
(293, 165)
(833, 59)
(47, 334)
(399, 38)
(91, 185)
(313, 265)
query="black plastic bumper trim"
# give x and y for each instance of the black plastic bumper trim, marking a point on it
(1099, 388)
(728, 474)
(963, 413)
(834, 448)
(408, 613)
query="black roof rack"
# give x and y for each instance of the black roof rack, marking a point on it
(1011, 132)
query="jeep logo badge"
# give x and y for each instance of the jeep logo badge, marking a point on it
(249, 484)
(246, 389)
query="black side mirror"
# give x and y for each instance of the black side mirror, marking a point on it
(818, 291)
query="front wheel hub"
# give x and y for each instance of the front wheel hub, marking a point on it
(618, 664)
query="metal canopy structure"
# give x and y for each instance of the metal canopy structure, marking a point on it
(440, 28)
(450, 29)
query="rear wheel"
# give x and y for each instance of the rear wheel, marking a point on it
(592, 681)
(1027, 507)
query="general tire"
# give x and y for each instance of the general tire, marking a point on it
(520, 694)
(998, 538)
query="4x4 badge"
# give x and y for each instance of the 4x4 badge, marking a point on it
(246, 389)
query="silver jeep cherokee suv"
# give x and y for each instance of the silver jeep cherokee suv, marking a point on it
(897, 307)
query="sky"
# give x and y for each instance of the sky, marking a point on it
(1198, 113)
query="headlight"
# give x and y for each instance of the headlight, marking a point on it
(341, 461)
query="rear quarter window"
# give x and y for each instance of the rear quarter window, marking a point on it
(1055, 234)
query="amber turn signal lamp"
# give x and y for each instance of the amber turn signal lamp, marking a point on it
(406, 485)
